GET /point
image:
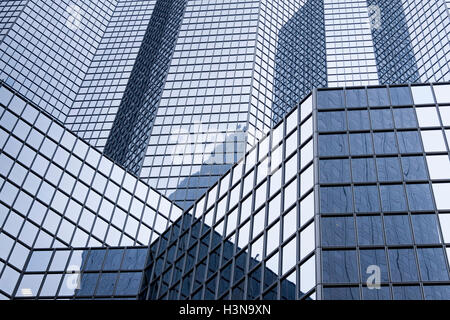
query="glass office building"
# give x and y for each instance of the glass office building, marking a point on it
(351, 179)
(176, 91)
(182, 149)
(59, 192)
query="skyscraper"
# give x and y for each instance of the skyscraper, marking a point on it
(125, 123)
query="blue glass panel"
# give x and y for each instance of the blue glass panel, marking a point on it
(370, 230)
(333, 145)
(407, 293)
(403, 265)
(389, 169)
(87, 284)
(331, 121)
(134, 259)
(414, 168)
(378, 97)
(393, 198)
(366, 199)
(113, 259)
(419, 197)
(425, 228)
(338, 231)
(128, 283)
(356, 98)
(334, 170)
(437, 292)
(341, 293)
(398, 230)
(360, 143)
(363, 170)
(381, 119)
(432, 264)
(336, 200)
(340, 266)
(409, 141)
(400, 96)
(330, 99)
(385, 142)
(358, 120)
(94, 261)
(405, 118)
(106, 284)
(383, 293)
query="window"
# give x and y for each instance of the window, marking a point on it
(442, 92)
(335, 171)
(422, 95)
(433, 141)
(393, 198)
(427, 117)
(400, 96)
(327, 99)
(441, 194)
(358, 120)
(439, 167)
(377, 97)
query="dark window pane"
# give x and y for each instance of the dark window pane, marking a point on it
(436, 292)
(409, 141)
(95, 260)
(376, 294)
(356, 98)
(342, 293)
(336, 200)
(340, 266)
(358, 120)
(407, 293)
(106, 284)
(334, 170)
(400, 96)
(381, 119)
(370, 230)
(332, 121)
(333, 145)
(393, 198)
(419, 197)
(128, 283)
(360, 143)
(414, 168)
(385, 142)
(134, 259)
(403, 265)
(425, 228)
(405, 118)
(113, 259)
(338, 231)
(366, 199)
(88, 283)
(432, 264)
(363, 170)
(397, 229)
(377, 97)
(330, 99)
(389, 169)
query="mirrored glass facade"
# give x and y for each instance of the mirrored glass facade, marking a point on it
(348, 185)
(57, 191)
(88, 273)
(217, 149)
